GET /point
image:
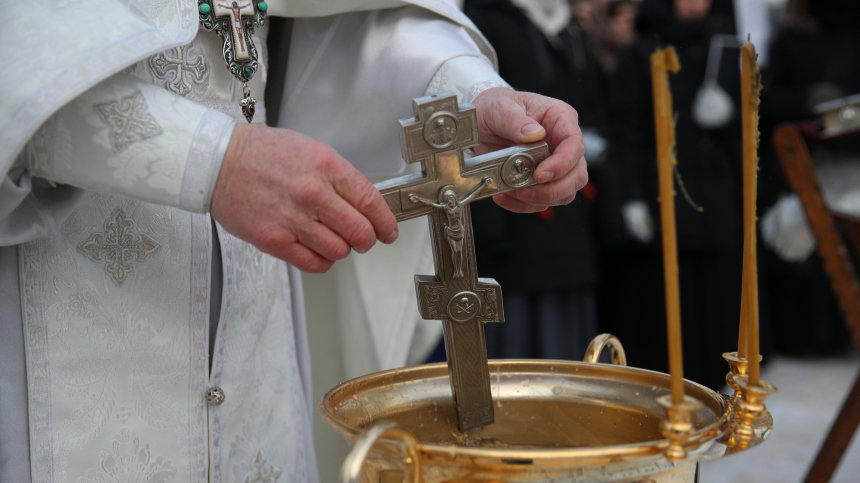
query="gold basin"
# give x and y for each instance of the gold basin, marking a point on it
(556, 421)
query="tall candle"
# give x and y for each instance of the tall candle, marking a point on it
(743, 353)
(750, 89)
(663, 61)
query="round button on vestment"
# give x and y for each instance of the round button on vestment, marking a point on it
(215, 396)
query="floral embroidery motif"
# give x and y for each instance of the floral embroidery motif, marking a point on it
(128, 462)
(129, 119)
(180, 67)
(119, 248)
(259, 473)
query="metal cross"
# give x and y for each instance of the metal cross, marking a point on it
(436, 137)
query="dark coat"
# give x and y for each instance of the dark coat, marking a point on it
(709, 160)
(525, 251)
(710, 166)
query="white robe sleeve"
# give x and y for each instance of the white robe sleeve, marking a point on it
(466, 76)
(122, 137)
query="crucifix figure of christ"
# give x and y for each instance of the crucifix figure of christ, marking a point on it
(436, 137)
(455, 231)
(236, 9)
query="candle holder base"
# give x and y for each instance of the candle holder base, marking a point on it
(678, 425)
(752, 422)
(739, 368)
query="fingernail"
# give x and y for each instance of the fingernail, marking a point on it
(545, 177)
(391, 237)
(530, 129)
(360, 249)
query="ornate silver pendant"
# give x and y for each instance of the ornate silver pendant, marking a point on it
(248, 103)
(234, 21)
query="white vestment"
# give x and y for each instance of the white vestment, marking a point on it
(113, 124)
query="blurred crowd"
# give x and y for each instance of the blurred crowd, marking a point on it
(595, 265)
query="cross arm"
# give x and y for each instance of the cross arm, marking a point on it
(496, 165)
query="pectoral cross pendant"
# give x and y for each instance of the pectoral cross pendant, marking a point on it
(234, 21)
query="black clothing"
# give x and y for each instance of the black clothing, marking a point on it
(527, 252)
(710, 242)
(709, 160)
(801, 63)
(546, 263)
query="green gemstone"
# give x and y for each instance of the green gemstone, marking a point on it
(262, 6)
(204, 8)
(247, 71)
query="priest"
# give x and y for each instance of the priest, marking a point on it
(150, 329)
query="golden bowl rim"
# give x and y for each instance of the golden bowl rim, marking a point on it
(698, 442)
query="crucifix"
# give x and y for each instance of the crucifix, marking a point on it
(235, 10)
(436, 137)
(235, 20)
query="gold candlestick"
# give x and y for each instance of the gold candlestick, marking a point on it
(678, 425)
(739, 368)
(752, 421)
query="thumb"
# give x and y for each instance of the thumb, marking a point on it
(513, 124)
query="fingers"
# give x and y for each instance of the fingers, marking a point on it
(504, 120)
(558, 192)
(565, 143)
(305, 259)
(356, 190)
(508, 202)
(354, 228)
(513, 123)
(306, 213)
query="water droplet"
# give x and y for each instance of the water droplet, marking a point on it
(556, 390)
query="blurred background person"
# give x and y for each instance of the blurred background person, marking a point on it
(708, 176)
(615, 29)
(814, 58)
(584, 13)
(545, 262)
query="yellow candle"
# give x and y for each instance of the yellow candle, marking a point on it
(663, 61)
(750, 89)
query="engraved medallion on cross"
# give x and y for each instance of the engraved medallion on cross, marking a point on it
(436, 138)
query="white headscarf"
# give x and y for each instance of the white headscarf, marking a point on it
(550, 16)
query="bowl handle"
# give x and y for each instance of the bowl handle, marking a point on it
(616, 350)
(350, 472)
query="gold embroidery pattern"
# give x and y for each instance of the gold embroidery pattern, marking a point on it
(129, 119)
(119, 247)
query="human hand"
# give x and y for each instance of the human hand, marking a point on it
(297, 199)
(507, 117)
(637, 221)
